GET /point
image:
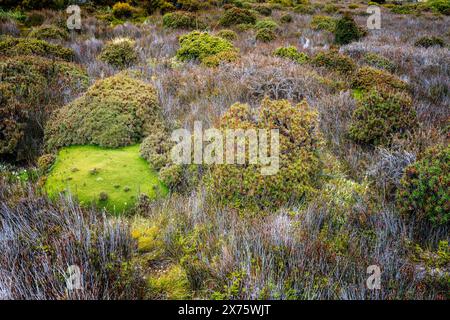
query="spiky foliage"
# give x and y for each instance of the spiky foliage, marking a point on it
(346, 31)
(334, 61)
(367, 78)
(424, 191)
(427, 42)
(291, 53)
(236, 16)
(116, 111)
(320, 22)
(182, 20)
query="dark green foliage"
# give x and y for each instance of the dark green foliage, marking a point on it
(263, 9)
(327, 23)
(265, 35)
(441, 6)
(114, 112)
(27, 46)
(236, 16)
(425, 188)
(427, 42)
(346, 31)
(286, 18)
(377, 61)
(227, 34)
(120, 53)
(123, 10)
(380, 116)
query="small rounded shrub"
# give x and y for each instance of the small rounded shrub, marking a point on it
(424, 187)
(151, 6)
(119, 53)
(380, 116)
(441, 6)
(34, 19)
(286, 18)
(427, 42)
(291, 53)
(319, 22)
(103, 196)
(263, 9)
(227, 34)
(377, 61)
(182, 20)
(48, 32)
(236, 16)
(205, 47)
(45, 162)
(27, 46)
(330, 8)
(243, 186)
(346, 31)
(155, 149)
(265, 35)
(114, 112)
(367, 78)
(171, 175)
(334, 61)
(30, 89)
(122, 10)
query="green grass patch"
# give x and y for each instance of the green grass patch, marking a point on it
(109, 178)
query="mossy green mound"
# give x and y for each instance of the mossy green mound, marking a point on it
(109, 178)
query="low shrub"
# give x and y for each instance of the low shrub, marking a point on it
(155, 149)
(227, 34)
(368, 78)
(266, 24)
(319, 22)
(119, 53)
(346, 31)
(44, 32)
(172, 284)
(334, 61)
(243, 186)
(114, 112)
(34, 19)
(408, 8)
(377, 61)
(205, 47)
(263, 9)
(31, 88)
(291, 53)
(45, 162)
(427, 42)
(265, 35)
(441, 6)
(330, 8)
(171, 175)
(286, 18)
(304, 9)
(27, 46)
(151, 6)
(424, 191)
(236, 16)
(182, 20)
(380, 116)
(122, 10)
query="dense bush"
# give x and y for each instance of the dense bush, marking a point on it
(424, 191)
(48, 32)
(367, 78)
(206, 48)
(123, 10)
(380, 116)
(227, 34)
(267, 24)
(236, 16)
(155, 149)
(377, 61)
(182, 20)
(319, 22)
(151, 6)
(120, 53)
(27, 46)
(263, 9)
(31, 88)
(34, 19)
(334, 61)
(427, 42)
(286, 18)
(441, 6)
(291, 53)
(305, 9)
(243, 186)
(265, 35)
(346, 31)
(114, 112)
